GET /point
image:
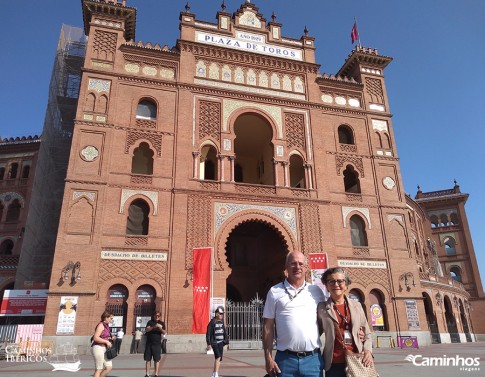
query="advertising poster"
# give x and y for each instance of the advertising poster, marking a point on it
(412, 314)
(376, 315)
(66, 319)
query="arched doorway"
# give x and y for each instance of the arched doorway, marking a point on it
(116, 304)
(451, 322)
(256, 253)
(464, 322)
(431, 319)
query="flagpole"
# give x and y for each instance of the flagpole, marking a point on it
(358, 34)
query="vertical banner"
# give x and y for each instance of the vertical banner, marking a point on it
(66, 319)
(318, 265)
(201, 272)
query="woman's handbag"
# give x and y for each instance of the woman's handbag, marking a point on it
(111, 353)
(355, 368)
(353, 361)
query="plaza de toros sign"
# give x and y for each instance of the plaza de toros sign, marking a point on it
(250, 43)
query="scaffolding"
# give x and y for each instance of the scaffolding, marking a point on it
(48, 188)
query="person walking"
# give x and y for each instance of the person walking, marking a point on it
(290, 313)
(155, 328)
(102, 341)
(119, 339)
(136, 345)
(341, 315)
(216, 338)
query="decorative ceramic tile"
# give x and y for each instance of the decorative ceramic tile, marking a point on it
(224, 211)
(89, 153)
(99, 85)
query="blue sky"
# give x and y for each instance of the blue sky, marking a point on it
(435, 83)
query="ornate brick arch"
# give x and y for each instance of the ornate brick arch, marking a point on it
(270, 115)
(250, 216)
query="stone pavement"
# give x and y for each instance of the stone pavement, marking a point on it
(237, 363)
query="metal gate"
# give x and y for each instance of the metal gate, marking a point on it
(245, 324)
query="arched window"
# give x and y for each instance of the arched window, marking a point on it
(454, 219)
(13, 212)
(455, 273)
(6, 247)
(137, 222)
(12, 173)
(254, 149)
(208, 163)
(146, 110)
(443, 220)
(297, 172)
(351, 180)
(357, 231)
(2, 173)
(142, 161)
(25, 171)
(345, 135)
(434, 221)
(450, 244)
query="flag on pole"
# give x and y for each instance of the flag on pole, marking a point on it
(201, 273)
(354, 35)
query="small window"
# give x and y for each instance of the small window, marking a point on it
(297, 172)
(137, 222)
(12, 173)
(454, 219)
(455, 274)
(146, 110)
(351, 180)
(13, 212)
(1, 211)
(2, 173)
(25, 172)
(208, 163)
(357, 231)
(6, 247)
(142, 161)
(450, 246)
(345, 135)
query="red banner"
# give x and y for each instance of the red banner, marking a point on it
(201, 281)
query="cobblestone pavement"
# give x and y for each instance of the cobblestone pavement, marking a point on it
(456, 360)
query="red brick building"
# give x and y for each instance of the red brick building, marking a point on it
(18, 160)
(233, 140)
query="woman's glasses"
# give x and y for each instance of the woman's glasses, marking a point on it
(334, 282)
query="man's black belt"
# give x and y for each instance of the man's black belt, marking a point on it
(301, 354)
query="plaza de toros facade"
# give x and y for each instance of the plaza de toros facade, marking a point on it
(233, 140)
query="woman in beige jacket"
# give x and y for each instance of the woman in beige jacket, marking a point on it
(346, 315)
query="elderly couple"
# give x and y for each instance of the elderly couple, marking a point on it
(298, 315)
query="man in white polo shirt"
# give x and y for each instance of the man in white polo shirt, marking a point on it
(290, 311)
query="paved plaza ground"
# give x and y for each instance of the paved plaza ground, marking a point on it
(237, 363)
